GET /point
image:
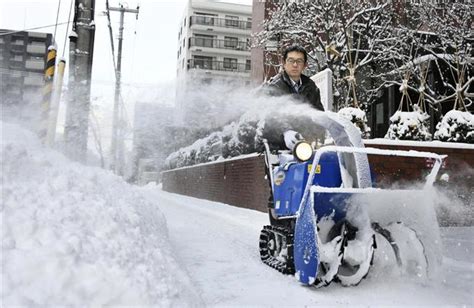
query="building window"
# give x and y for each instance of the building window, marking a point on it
(230, 63)
(203, 62)
(230, 42)
(203, 40)
(248, 65)
(204, 18)
(249, 23)
(232, 21)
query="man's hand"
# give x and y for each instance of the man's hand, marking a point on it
(291, 137)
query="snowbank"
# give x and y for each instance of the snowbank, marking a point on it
(75, 235)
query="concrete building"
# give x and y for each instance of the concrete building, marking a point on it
(22, 64)
(213, 44)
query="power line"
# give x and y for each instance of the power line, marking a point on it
(35, 28)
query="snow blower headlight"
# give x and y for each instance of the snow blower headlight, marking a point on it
(303, 151)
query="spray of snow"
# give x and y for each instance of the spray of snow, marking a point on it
(358, 117)
(75, 235)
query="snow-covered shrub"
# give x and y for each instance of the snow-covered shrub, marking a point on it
(244, 137)
(358, 117)
(201, 151)
(456, 126)
(241, 140)
(411, 125)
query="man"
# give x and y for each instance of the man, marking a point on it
(292, 80)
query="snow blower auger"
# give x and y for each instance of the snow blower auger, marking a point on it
(327, 219)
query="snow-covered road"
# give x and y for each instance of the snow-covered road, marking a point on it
(217, 244)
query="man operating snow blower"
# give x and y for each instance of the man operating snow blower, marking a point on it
(327, 218)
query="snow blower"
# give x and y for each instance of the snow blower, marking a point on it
(327, 218)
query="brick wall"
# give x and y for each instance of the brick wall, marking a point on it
(459, 164)
(241, 182)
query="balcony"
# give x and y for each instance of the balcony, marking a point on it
(215, 43)
(218, 66)
(220, 22)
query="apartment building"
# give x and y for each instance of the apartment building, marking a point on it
(213, 47)
(22, 65)
(214, 41)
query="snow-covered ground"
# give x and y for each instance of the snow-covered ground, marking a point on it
(76, 235)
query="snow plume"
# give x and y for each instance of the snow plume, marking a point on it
(455, 197)
(211, 104)
(75, 235)
(266, 118)
(26, 112)
(262, 117)
(416, 209)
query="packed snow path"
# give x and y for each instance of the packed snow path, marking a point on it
(217, 244)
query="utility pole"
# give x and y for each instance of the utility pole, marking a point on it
(117, 145)
(81, 50)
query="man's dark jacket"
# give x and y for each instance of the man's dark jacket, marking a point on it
(308, 92)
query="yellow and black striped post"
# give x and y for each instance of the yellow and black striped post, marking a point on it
(47, 93)
(54, 107)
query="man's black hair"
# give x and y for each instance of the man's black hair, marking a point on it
(297, 48)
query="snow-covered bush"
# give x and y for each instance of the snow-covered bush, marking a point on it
(241, 139)
(246, 136)
(456, 126)
(358, 117)
(411, 125)
(201, 151)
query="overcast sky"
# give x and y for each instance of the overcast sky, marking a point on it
(149, 49)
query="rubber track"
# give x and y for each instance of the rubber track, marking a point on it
(287, 268)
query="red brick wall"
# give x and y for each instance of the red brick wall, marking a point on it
(241, 182)
(459, 164)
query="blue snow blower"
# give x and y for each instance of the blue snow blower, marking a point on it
(322, 227)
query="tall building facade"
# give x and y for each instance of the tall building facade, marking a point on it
(213, 45)
(22, 64)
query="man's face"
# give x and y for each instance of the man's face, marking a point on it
(294, 64)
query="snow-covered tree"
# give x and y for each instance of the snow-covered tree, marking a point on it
(456, 126)
(408, 125)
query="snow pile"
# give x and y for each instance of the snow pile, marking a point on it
(456, 126)
(358, 117)
(406, 125)
(75, 235)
